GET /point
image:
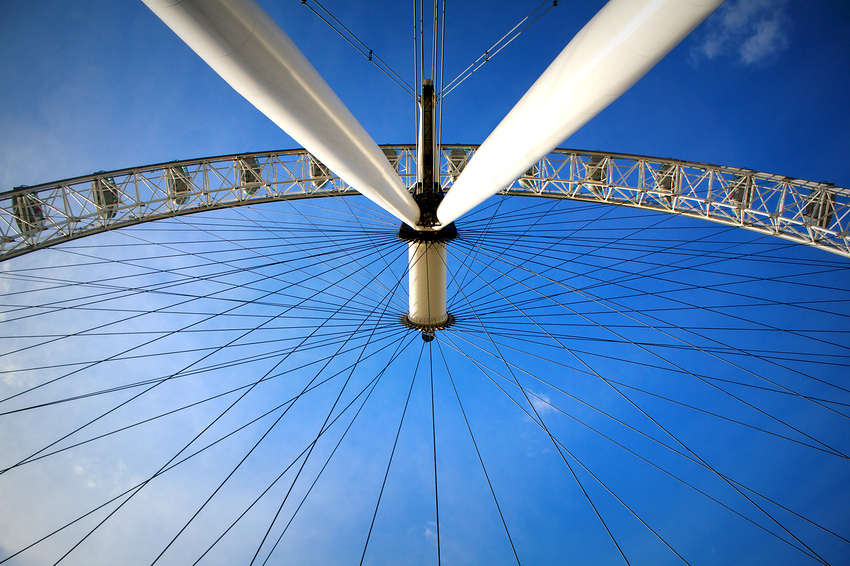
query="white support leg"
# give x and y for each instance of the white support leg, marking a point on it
(241, 42)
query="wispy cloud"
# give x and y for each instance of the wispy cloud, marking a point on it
(431, 532)
(752, 32)
(542, 403)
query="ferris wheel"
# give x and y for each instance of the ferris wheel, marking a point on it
(505, 353)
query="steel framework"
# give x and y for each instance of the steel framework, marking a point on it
(807, 212)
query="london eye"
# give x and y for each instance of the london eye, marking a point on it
(612, 358)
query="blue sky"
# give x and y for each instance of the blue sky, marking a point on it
(762, 84)
(122, 90)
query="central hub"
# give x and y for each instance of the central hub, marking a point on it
(426, 257)
(426, 243)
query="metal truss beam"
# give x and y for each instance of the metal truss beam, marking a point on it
(807, 212)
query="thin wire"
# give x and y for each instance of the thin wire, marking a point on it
(307, 457)
(365, 51)
(392, 331)
(165, 335)
(490, 53)
(268, 431)
(400, 347)
(392, 454)
(435, 34)
(481, 368)
(439, 86)
(539, 420)
(142, 485)
(645, 349)
(478, 453)
(675, 438)
(416, 76)
(434, 439)
(615, 308)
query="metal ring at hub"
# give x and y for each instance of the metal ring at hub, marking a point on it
(450, 321)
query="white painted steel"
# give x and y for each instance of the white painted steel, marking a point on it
(427, 283)
(239, 40)
(615, 49)
(806, 212)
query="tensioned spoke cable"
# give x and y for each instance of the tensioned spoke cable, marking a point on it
(491, 216)
(104, 282)
(514, 242)
(612, 417)
(269, 319)
(267, 432)
(345, 252)
(339, 329)
(530, 338)
(356, 272)
(683, 370)
(161, 472)
(366, 237)
(100, 297)
(678, 441)
(503, 42)
(440, 79)
(435, 31)
(170, 333)
(371, 386)
(483, 234)
(434, 440)
(183, 449)
(515, 239)
(336, 447)
(502, 361)
(392, 454)
(417, 78)
(482, 367)
(309, 453)
(370, 236)
(662, 310)
(360, 47)
(684, 286)
(707, 350)
(542, 399)
(502, 321)
(234, 390)
(327, 339)
(614, 307)
(546, 430)
(478, 453)
(133, 490)
(608, 280)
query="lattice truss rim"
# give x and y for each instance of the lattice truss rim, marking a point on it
(806, 212)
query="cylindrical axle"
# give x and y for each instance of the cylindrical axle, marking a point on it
(427, 285)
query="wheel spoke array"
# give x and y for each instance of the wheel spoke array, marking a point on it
(620, 386)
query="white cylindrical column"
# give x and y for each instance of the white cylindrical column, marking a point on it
(241, 43)
(427, 289)
(615, 49)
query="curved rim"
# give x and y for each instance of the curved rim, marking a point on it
(807, 212)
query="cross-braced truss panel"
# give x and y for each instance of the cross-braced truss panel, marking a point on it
(807, 212)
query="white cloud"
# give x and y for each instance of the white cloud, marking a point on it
(751, 32)
(769, 39)
(542, 403)
(431, 533)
